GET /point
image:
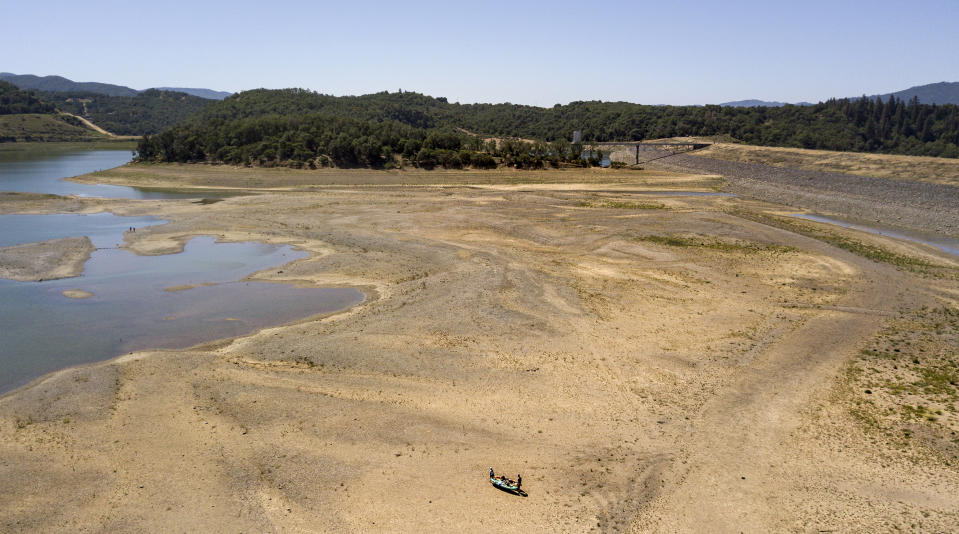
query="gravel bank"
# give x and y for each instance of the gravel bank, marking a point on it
(905, 204)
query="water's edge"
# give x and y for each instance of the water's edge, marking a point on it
(949, 246)
(133, 305)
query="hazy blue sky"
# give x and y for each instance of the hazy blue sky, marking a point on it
(656, 52)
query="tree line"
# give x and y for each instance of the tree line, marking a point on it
(318, 140)
(866, 125)
(862, 125)
(297, 127)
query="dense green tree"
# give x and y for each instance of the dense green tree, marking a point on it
(148, 112)
(298, 127)
(14, 100)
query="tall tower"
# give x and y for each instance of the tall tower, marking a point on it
(577, 137)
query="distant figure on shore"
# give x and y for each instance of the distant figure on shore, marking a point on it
(519, 481)
(491, 475)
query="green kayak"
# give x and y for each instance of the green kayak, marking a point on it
(504, 484)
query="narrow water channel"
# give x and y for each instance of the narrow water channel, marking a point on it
(949, 246)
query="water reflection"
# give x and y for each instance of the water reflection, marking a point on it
(129, 303)
(133, 307)
(42, 171)
(104, 229)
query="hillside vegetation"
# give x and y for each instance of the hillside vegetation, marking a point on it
(14, 100)
(26, 117)
(45, 127)
(319, 140)
(297, 127)
(147, 112)
(119, 110)
(144, 113)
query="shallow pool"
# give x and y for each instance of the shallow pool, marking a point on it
(133, 306)
(137, 302)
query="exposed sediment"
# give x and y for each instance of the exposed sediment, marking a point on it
(78, 294)
(46, 260)
(905, 204)
(647, 363)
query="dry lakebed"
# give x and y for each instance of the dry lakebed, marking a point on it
(649, 359)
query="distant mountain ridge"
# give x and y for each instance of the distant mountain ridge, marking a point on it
(209, 94)
(933, 93)
(63, 85)
(764, 103)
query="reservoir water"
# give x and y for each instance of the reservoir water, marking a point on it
(105, 229)
(43, 171)
(137, 302)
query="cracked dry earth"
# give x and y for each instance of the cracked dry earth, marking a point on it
(638, 385)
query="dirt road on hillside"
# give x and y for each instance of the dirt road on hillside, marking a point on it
(89, 124)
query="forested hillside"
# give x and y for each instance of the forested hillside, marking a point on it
(14, 100)
(147, 112)
(892, 126)
(25, 117)
(316, 139)
(115, 108)
(299, 127)
(43, 127)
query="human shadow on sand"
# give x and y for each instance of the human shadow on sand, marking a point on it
(521, 493)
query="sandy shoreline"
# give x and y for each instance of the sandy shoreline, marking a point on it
(637, 383)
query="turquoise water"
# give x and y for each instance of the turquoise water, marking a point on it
(131, 309)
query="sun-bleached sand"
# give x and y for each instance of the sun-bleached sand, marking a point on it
(646, 362)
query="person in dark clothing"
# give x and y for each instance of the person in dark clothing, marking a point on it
(491, 473)
(519, 481)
